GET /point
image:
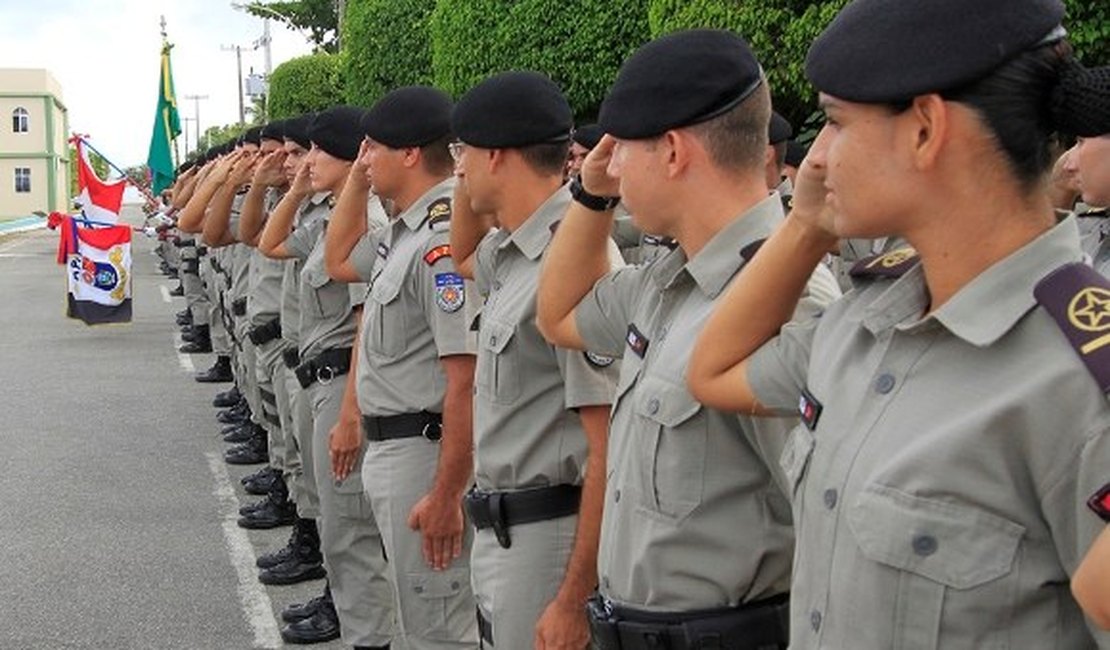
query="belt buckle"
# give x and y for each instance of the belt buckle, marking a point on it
(325, 374)
(432, 431)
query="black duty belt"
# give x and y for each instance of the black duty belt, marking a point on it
(485, 629)
(216, 265)
(239, 307)
(324, 367)
(503, 510)
(202, 250)
(292, 357)
(185, 243)
(406, 425)
(263, 334)
(190, 267)
(762, 625)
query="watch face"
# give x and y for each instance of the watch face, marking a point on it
(1100, 503)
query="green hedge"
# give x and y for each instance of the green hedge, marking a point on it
(386, 45)
(1088, 24)
(578, 44)
(779, 31)
(305, 84)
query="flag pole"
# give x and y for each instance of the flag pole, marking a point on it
(142, 188)
(165, 43)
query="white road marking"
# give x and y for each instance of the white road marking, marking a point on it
(257, 609)
(184, 360)
(165, 293)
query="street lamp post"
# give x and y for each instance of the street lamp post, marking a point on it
(196, 113)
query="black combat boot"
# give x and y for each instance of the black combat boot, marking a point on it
(201, 342)
(237, 414)
(303, 561)
(220, 371)
(253, 452)
(322, 625)
(241, 433)
(261, 482)
(228, 398)
(276, 511)
(301, 611)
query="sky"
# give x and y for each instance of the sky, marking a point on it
(105, 55)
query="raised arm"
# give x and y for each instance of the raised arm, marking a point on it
(467, 231)
(216, 232)
(280, 223)
(252, 215)
(348, 222)
(579, 253)
(191, 218)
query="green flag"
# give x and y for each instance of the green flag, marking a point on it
(167, 126)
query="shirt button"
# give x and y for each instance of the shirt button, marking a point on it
(925, 545)
(617, 496)
(497, 285)
(605, 582)
(830, 498)
(884, 384)
(815, 620)
(653, 406)
(493, 340)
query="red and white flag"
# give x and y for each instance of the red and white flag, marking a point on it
(98, 271)
(99, 200)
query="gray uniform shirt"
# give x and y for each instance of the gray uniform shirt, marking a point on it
(240, 254)
(526, 433)
(266, 276)
(309, 219)
(695, 517)
(415, 312)
(940, 495)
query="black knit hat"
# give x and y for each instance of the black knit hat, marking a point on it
(337, 131)
(780, 130)
(252, 135)
(296, 129)
(411, 116)
(681, 79)
(588, 135)
(512, 109)
(274, 131)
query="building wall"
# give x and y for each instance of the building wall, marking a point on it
(43, 148)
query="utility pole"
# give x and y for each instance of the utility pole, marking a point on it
(185, 123)
(238, 78)
(196, 113)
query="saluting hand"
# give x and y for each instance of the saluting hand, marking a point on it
(359, 175)
(243, 169)
(810, 203)
(269, 172)
(595, 169)
(440, 520)
(302, 182)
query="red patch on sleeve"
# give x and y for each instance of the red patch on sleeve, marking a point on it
(437, 253)
(1100, 503)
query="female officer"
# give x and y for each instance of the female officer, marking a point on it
(955, 416)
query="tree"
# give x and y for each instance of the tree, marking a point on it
(216, 135)
(305, 84)
(318, 17)
(1088, 24)
(386, 45)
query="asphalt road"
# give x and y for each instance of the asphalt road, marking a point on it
(116, 509)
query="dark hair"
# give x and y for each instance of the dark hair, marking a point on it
(437, 156)
(737, 139)
(1015, 102)
(547, 158)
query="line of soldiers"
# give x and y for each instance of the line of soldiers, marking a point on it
(463, 358)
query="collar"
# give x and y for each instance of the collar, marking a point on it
(417, 213)
(721, 258)
(319, 197)
(533, 236)
(990, 305)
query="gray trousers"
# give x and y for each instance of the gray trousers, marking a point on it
(214, 289)
(270, 378)
(514, 585)
(435, 609)
(349, 537)
(192, 285)
(299, 467)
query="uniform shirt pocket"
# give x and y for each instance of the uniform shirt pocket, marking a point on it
(676, 446)
(795, 456)
(387, 335)
(498, 372)
(327, 299)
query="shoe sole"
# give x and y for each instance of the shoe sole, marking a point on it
(321, 639)
(315, 573)
(246, 461)
(262, 525)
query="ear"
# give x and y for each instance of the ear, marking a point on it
(411, 157)
(676, 150)
(496, 159)
(929, 121)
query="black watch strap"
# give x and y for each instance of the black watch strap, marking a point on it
(592, 201)
(1100, 503)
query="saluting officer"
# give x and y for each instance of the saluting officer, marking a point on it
(696, 539)
(954, 405)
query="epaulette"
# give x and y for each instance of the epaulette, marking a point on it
(436, 254)
(439, 212)
(1078, 299)
(886, 265)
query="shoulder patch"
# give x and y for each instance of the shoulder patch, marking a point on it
(450, 291)
(1100, 503)
(1078, 299)
(887, 265)
(437, 253)
(598, 360)
(439, 211)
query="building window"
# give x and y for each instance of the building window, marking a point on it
(22, 179)
(21, 121)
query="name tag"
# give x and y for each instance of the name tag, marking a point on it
(637, 341)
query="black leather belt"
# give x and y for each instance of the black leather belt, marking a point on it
(239, 307)
(503, 510)
(185, 243)
(263, 334)
(202, 250)
(406, 425)
(292, 357)
(324, 367)
(190, 267)
(485, 629)
(762, 625)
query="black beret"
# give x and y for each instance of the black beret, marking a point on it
(795, 153)
(780, 130)
(512, 109)
(252, 135)
(274, 131)
(588, 135)
(878, 51)
(296, 129)
(683, 78)
(337, 131)
(411, 116)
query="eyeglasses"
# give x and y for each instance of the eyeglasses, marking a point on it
(456, 149)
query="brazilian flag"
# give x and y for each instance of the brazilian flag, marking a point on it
(167, 126)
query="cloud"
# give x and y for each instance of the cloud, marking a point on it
(105, 55)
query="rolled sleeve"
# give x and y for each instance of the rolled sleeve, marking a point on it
(602, 317)
(777, 371)
(586, 382)
(302, 240)
(448, 316)
(363, 256)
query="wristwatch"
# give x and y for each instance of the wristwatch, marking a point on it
(1100, 503)
(592, 201)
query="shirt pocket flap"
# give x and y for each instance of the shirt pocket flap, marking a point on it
(496, 336)
(954, 544)
(316, 278)
(796, 454)
(444, 584)
(666, 403)
(385, 290)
